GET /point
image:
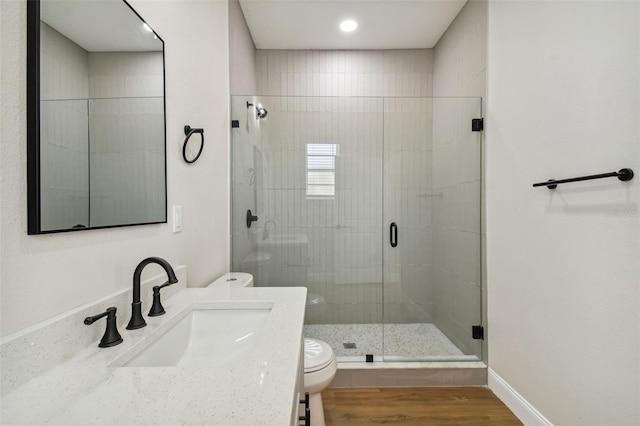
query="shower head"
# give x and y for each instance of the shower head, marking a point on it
(261, 112)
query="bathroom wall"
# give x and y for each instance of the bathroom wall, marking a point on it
(460, 66)
(345, 72)
(45, 275)
(564, 265)
(341, 233)
(242, 53)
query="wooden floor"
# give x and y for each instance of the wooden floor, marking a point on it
(475, 406)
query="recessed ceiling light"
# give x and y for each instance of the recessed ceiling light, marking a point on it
(348, 25)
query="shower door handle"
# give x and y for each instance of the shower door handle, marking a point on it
(393, 234)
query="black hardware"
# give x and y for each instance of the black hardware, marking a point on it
(33, 118)
(235, 124)
(307, 411)
(156, 308)
(306, 418)
(623, 175)
(188, 131)
(477, 124)
(393, 234)
(251, 218)
(111, 336)
(261, 112)
(369, 357)
(477, 332)
(137, 321)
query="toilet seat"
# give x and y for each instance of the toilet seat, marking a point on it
(317, 355)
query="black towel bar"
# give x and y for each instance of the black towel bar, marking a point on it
(623, 174)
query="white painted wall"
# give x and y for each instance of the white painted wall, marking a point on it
(242, 53)
(564, 266)
(45, 275)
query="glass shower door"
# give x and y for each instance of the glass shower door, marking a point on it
(432, 233)
(311, 171)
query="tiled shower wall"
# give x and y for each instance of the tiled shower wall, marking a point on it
(126, 137)
(460, 70)
(64, 92)
(345, 236)
(345, 72)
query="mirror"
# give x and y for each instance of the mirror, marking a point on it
(95, 117)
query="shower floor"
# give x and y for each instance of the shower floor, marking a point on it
(413, 341)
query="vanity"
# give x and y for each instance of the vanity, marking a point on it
(255, 380)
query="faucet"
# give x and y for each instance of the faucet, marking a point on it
(137, 321)
(265, 229)
(111, 336)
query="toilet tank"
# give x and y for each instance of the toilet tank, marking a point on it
(233, 280)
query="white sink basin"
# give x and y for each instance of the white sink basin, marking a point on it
(212, 337)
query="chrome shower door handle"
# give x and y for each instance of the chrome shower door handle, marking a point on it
(393, 234)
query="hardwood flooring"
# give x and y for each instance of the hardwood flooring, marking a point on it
(476, 406)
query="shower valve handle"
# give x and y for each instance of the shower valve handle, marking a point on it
(251, 218)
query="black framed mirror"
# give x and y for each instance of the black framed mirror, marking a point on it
(96, 133)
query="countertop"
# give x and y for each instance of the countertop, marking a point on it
(89, 389)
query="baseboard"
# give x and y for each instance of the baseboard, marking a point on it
(526, 412)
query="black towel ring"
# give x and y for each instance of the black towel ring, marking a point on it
(188, 131)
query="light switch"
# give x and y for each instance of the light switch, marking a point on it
(177, 219)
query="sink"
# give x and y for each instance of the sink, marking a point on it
(212, 337)
(284, 239)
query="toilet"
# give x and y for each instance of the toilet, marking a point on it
(319, 370)
(233, 280)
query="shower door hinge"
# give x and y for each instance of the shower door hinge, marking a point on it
(477, 332)
(477, 124)
(235, 124)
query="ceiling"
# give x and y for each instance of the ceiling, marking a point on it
(382, 24)
(99, 25)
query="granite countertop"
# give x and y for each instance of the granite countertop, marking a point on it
(90, 389)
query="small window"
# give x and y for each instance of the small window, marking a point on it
(321, 170)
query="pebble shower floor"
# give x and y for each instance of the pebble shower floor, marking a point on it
(411, 341)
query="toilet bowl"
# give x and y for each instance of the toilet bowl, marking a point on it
(319, 370)
(233, 280)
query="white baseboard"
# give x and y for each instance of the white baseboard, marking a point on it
(516, 403)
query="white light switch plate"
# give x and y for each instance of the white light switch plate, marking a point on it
(177, 219)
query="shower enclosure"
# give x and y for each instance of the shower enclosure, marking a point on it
(371, 203)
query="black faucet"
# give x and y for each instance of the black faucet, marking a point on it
(111, 336)
(137, 321)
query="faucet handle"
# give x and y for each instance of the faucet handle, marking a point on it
(157, 309)
(111, 336)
